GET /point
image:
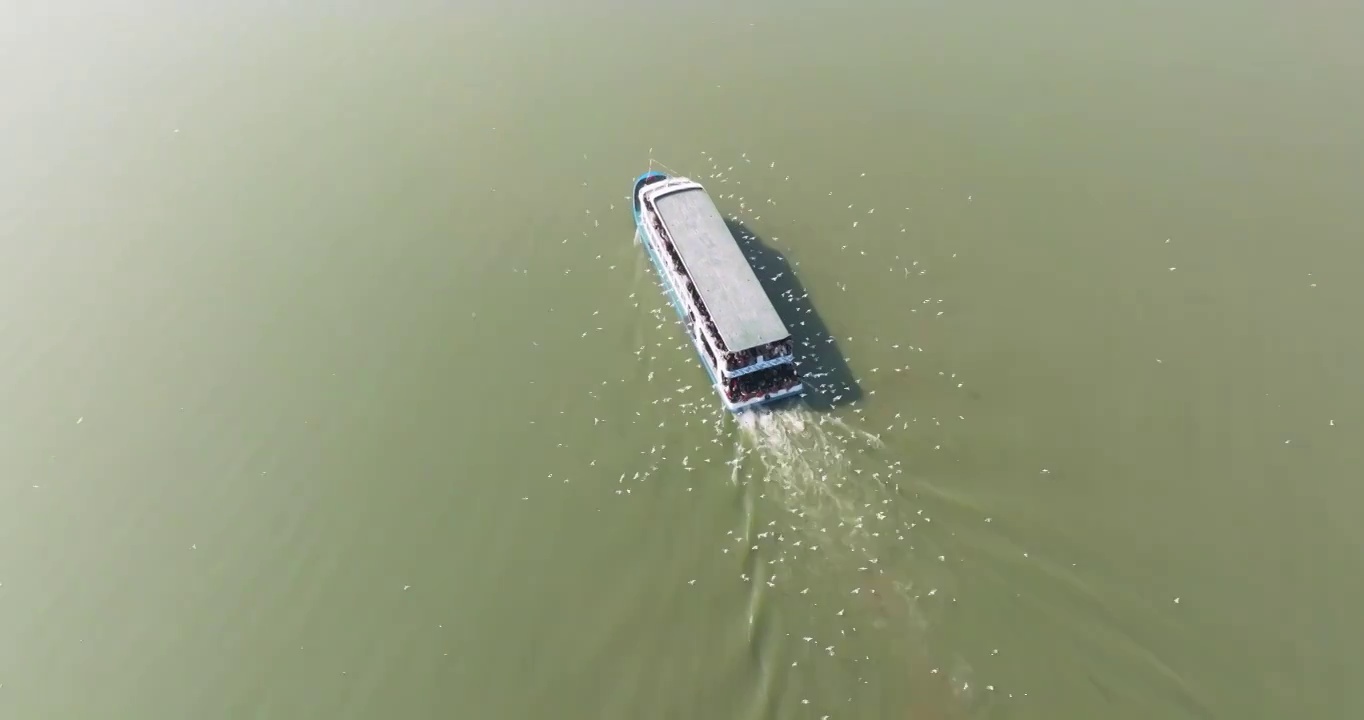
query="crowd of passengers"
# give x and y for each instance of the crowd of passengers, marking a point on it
(744, 358)
(748, 387)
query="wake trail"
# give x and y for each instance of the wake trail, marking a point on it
(842, 526)
(813, 467)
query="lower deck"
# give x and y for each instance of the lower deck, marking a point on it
(792, 391)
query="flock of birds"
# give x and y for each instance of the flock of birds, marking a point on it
(830, 502)
(838, 514)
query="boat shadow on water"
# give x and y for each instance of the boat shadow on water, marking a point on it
(829, 382)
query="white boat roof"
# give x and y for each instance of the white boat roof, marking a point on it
(741, 310)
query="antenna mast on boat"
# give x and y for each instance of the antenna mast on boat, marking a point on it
(655, 163)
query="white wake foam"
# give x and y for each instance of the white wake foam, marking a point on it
(816, 467)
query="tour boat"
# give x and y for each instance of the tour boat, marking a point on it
(740, 339)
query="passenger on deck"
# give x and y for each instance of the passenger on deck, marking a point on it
(750, 387)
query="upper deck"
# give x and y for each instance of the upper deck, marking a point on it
(741, 310)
